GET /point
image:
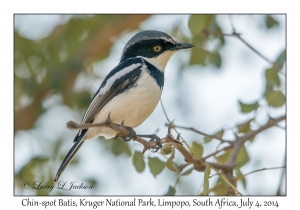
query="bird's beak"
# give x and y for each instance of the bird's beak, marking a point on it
(181, 46)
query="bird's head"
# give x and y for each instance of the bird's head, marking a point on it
(154, 46)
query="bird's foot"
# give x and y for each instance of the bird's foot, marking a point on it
(154, 137)
(132, 135)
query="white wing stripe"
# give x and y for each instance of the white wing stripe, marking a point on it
(118, 75)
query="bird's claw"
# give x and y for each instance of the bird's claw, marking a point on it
(132, 134)
(155, 138)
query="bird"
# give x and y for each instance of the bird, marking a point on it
(131, 91)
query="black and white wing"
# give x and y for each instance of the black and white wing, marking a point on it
(117, 81)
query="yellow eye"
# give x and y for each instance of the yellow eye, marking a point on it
(157, 48)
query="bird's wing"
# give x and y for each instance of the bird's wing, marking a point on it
(117, 81)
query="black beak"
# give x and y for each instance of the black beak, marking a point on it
(181, 46)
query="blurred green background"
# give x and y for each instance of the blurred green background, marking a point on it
(220, 86)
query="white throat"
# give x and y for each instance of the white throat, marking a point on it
(161, 60)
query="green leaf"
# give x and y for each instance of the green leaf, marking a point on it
(281, 59)
(242, 157)
(156, 166)
(244, 127)
(170, 164)
(166, 149)
(224, 157)
(138, 161)
(206, 181)
(171, 191)
(276, 98)
(272, 77)
(207, 139)
(197, 150)
(214, 59)
(240, 176)
(271, 22)
(246, 108)
(187, 172)
(217, 134)
(198, 56)
(119, 147)
(197, 23)
(220, 189)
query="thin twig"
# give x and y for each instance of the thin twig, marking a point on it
(237, 35)
(252, 48)
(171, 124)
(203, 134)
(258, 170)
(216, 152)
(281, 177)
(230, 20)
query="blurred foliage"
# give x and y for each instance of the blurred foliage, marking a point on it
(171, 191)
(138, 161)
(218, 134)
(156, 165)
(271, 22)
(197, 150)
(49, 67)
(206, 182)
(205, 30)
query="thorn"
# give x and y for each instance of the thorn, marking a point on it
(178, 137)
(169, 130)
(122, 125)
(108, 120)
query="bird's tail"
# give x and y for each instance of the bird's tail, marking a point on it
(71, 154)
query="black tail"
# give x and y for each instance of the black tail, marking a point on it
(71, 154)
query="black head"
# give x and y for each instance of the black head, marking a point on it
(150, 44)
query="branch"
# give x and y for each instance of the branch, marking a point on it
(216, 152)
(239, 142)
(122, 131)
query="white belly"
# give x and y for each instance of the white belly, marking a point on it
(133, 106)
